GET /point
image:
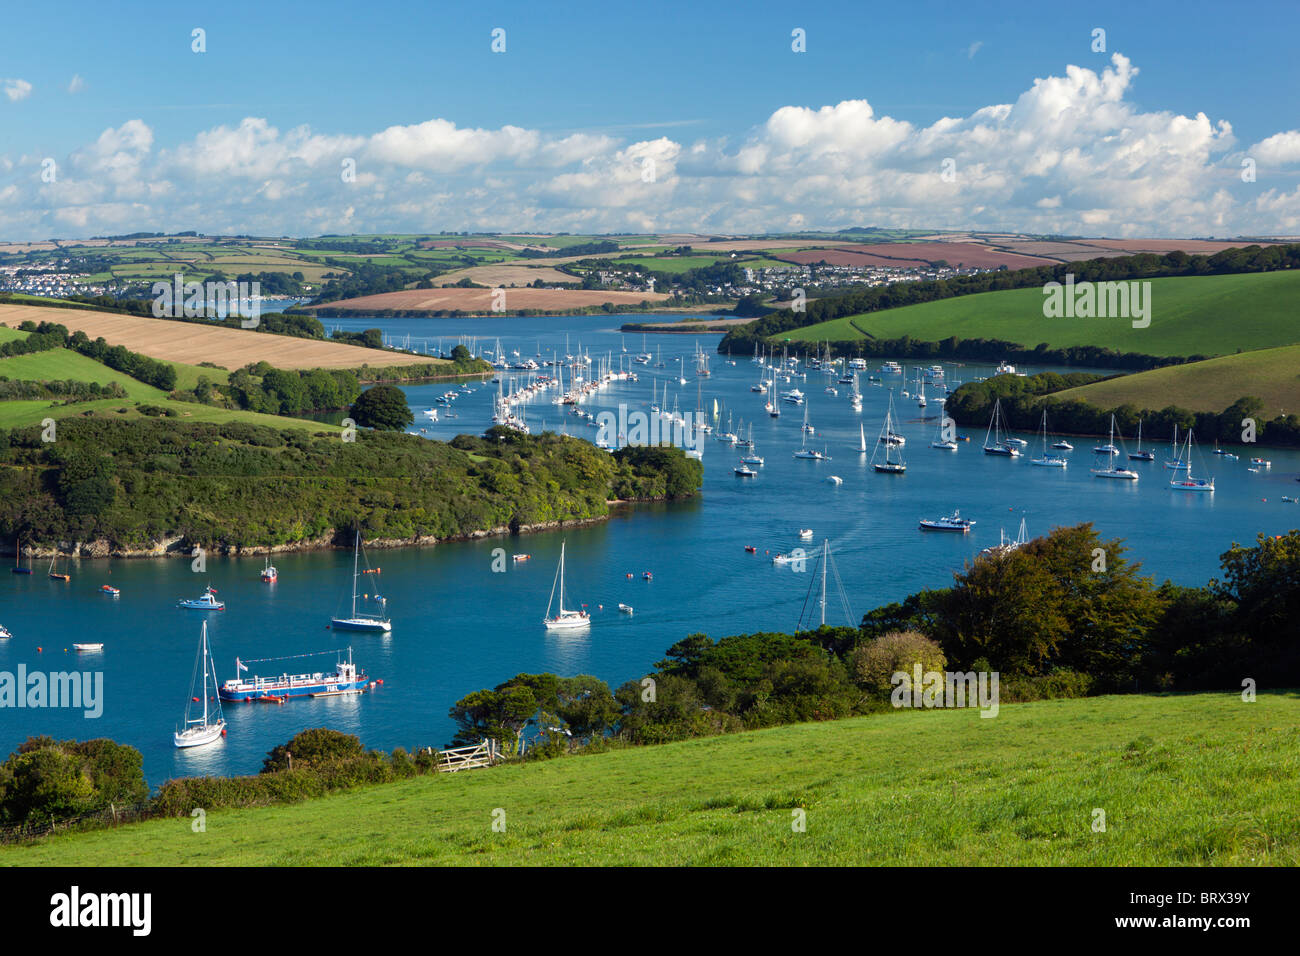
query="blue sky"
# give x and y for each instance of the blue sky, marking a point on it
(693, 74)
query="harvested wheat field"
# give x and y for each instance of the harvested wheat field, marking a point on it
(481, 300)
(506, 274)
(191, 343)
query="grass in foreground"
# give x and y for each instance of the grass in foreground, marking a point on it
(1183, 780)
(1192, 315)
(1271, 375)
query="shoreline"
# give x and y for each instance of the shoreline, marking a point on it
(179, 547)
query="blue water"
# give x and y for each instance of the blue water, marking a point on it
(458, 626)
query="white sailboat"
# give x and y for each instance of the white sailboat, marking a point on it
(998, 446)
(887, 438)
(197, 731)
(1191, 483)
(1112, 470)
(564, 620)
(1176, 463)
(362, 621)
(1045, 460)
(862, 439)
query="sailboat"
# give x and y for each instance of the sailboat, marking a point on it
(1190, 483)
(18, 553)
(681, 370)
(806, 427)
(998, 445)
(946, 444)
(1045, 460)
(1176, 463)
(362, 621)
(889, 466)
(1112, 470)
(58, 575)
(862, 439)
(563, 620)
(1139, 454)
(753, 458)
(197, 731)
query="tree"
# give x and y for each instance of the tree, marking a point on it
(382, 407)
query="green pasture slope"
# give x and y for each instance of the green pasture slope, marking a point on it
(1271, 375)
(1200, 779)
(66, 365)
(1190, 315)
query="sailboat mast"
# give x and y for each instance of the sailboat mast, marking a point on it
(205, 674)
(561, 577)
(356, 554)
(826, 551)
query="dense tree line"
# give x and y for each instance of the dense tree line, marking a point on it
(1024, 399)
(72, 391)
(1121, 268)
(234, 485)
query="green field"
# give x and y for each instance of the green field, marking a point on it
(1201, 315)
(1183, 780)
(1272, 375)
(64, 364)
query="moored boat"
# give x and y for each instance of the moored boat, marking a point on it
(199, 730)
(345, 676)
(952, 522)
(205, 602)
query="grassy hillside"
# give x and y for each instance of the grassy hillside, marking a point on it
(1183, 780)
(1200, 315)
(64, 364)
(1272, 375)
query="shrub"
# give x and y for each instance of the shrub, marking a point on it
(873, 664)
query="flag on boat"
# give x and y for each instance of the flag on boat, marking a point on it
(241, 665)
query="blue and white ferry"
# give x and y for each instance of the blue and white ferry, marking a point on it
(344, 679)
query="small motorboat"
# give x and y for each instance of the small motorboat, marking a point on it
(625, 609)
(806, 534)
(87, 647)
(835, 480)
(109, 589)
(744, 471)
(206, 602)
(269, 573)
(750, 549)
(1262, 462)
(522, 557)
(647, 576)
(4, 633)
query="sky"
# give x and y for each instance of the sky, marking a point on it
(1114, 119)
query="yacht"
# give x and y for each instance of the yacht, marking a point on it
(952, 522)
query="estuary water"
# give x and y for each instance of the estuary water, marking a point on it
(459, 626)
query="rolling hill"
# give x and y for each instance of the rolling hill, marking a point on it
(1192, 315)
(1271, 375)
(1183, 780)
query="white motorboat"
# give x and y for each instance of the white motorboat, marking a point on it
(952, 522)
(90, 647)
(206, 602)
